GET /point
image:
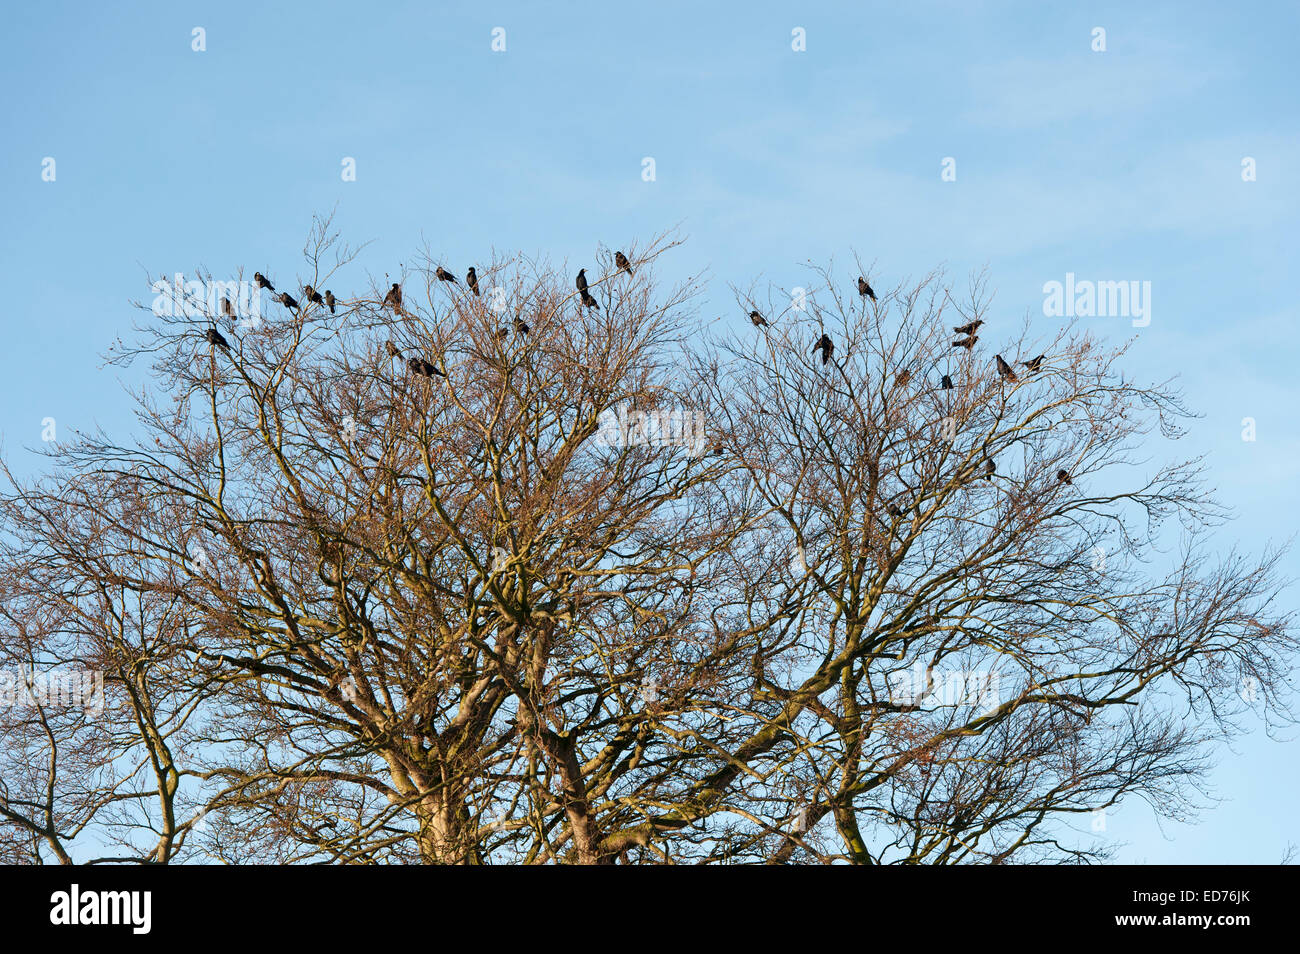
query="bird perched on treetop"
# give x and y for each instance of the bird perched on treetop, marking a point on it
(946, 383)
(621, 261)
(865, 289)
(261, 281)
(394, 297)
(1004, 369)
(216, 338)
(968, 329)
(1034, 364)
(582, 280)
(444, 275)
(758, 320)
(471, 279)
(288, 300)
(966, 343)
(826, 347)
(312, 295)
(329, 300)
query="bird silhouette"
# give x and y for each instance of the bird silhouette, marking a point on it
(589, 301)
(621, 261)
(1063, 477)
(262, 282)
(227, 307)
(1034, 364)
(989, 469)
(288, 300)
(216, 338)
(392, 350)
(444, 275)
(521, 327)
(426, 368)
(394, 297)
(865, 289)
(966, 343)
(758, 320)
(582, 280)
(946, 384)
(969, 329)
(895, 510)
(826, 347)
(471, 279)
(1004, 369)
(312, 295)
(329, 300)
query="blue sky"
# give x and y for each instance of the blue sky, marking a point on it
(1115, 166)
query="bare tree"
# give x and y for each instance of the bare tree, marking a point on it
(520, 573)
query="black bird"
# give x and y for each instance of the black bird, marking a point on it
(288, 300)
(589, 301)
(329, 300)
(826, 347)
(216, 338)
(426, 368)
(392, 350)
(582, 282)
(471, 279)
(865, 289)
(758, 320)
(946, 383)
(444, 275)
(261, 281)
(1004, 369)
(989, 469)
(1035, 364)
(227, 307)
(1063, 477)
(521, 327)
(394, 297)
(966, 343)
(896, 511)
(312, 295)
(621, 261)
(969, 329)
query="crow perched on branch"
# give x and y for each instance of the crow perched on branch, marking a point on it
(394, 297)
(1004, 369)
(312, 295)
(444, 275)
(329, 300)
(946, 383)
(621, 261)
(288, 300)
(216, 338)
(422, 367)
(758, 320)
(1034, 364)
(865, 289)
(1063, 477)
(966, 343)
(471, 279)
(969, 329)
(262, 282)
(826, 347)
(582, 282)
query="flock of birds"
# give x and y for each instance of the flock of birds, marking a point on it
(425, 368)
